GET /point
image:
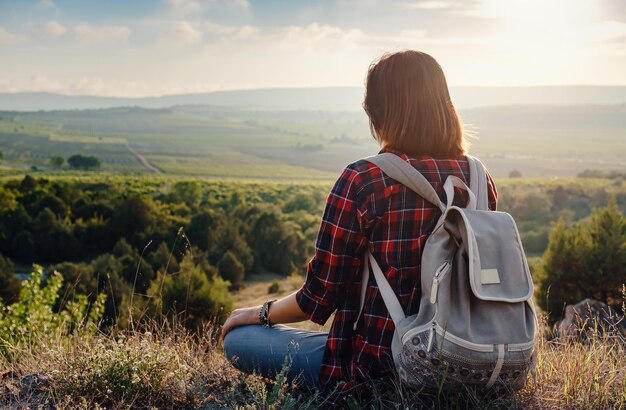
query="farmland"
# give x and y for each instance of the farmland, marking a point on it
(236, 142)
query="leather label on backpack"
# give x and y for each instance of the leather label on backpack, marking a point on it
(489, 276)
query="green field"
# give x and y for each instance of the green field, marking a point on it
(213, 141)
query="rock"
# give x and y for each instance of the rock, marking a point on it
(29, 391)
(588, 318)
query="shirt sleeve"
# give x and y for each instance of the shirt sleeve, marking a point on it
(339, 248)
(492, 192)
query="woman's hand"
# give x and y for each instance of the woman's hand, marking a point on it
(241, 317)
(285, 310)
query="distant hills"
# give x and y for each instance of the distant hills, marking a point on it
(319, 99)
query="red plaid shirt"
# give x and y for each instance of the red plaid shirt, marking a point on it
(367, 209)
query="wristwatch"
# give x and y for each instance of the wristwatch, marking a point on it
(264, 313)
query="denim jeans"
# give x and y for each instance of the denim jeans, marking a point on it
(264, 351)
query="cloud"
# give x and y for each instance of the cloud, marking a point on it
(35, 83)
(187, 7)
(427, 5)
(183, 31)
(46, 4)
(607, 31)
(6, 37)
(314, 34)
(54, 29)
(242, 4)
(86, 33)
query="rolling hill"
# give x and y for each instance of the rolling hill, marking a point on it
(323, 99)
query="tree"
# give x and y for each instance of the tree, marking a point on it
(57, 161)
(187, 191)
(163, 259)
(586, 259)
(10, 285)
(8, 201)
(136, 218)
(83, 162)
(231, 269)
(190, 295)
(515, 174)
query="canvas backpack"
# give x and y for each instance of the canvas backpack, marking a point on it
(476, 322)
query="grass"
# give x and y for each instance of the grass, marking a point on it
(156, 366)
(167, 367)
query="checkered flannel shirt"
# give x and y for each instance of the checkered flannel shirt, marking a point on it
(367, 209)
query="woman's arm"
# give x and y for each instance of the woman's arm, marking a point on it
(285, 310)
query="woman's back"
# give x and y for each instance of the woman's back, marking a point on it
(365, 209)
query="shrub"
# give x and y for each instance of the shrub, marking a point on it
(586, 259)
(274, 287)
(84, 162)
(190, 295)
(9, 283)
(231, 269)
(57, 161)
(31, 319)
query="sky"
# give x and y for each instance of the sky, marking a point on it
(148, 48)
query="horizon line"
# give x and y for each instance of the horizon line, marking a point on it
(156, 96)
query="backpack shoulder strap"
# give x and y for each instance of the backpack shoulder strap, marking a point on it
(403, 172)
(400, 170)
(389, 297)
(478, 182)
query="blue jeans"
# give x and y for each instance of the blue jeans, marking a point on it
(264, 351)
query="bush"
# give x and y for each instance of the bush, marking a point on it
(586, 259)
(231, 269)
(84, 162)
(31, 319)
(10, 285)
(57, 161)
(190, 295)
(274, 287)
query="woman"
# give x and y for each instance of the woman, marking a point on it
(412, 116)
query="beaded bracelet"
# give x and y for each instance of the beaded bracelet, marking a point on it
(264, 313)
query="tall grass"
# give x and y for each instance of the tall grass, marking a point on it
(167, 366)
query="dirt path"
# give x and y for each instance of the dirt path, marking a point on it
(143, 160)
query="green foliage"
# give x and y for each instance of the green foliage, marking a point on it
(10, 285)
(32, 318)
(94, 228)
(84, 162)
(8, 200)
(57, 161)
(190, 295)
(231, 270)
(584, 259)
(274, 287)
(188, 192)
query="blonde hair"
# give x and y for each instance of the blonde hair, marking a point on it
(409, 107)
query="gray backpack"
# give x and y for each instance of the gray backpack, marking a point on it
(476, 322)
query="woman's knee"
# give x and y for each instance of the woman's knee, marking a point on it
(231, 342)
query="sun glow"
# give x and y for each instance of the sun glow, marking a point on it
(538, 37)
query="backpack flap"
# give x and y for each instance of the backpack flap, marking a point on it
(498, 270)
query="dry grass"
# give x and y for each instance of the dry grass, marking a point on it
(163, 367)
(167, 367)
(577, 376)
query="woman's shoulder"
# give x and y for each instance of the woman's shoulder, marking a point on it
(427, 165)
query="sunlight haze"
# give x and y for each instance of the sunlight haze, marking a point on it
(147, 48)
